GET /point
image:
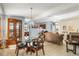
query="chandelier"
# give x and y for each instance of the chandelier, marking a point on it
(31, 12)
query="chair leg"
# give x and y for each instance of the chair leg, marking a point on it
(26, 51)
(67, 47)
(43, 51)
(30, 51)
(17, 52)
(36, 53)
(74, 49)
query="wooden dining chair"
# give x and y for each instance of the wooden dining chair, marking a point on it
(20, 46)
(38, 44)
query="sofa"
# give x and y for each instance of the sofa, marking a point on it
(54, 37)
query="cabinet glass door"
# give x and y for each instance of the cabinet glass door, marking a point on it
(11, 30)
(18, 30)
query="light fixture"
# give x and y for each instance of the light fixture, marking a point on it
(31, 12)
(31, 17)
(31, 23)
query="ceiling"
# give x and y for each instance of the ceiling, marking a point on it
(40, 10)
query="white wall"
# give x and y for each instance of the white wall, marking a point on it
(50, 26)
(72, 24)
(23, 28)
(1, 28)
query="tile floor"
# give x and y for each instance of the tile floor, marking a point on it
(50, 50)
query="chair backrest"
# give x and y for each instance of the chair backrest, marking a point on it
(39, 41)
(61, 37)
(42, 36)
(20, 44)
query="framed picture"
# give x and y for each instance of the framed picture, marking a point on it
(43, 26)
(64, 28)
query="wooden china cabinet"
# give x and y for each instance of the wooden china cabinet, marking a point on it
(14, 31)
(0, 29)
(0, 32)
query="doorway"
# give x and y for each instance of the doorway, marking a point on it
(14, 31)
